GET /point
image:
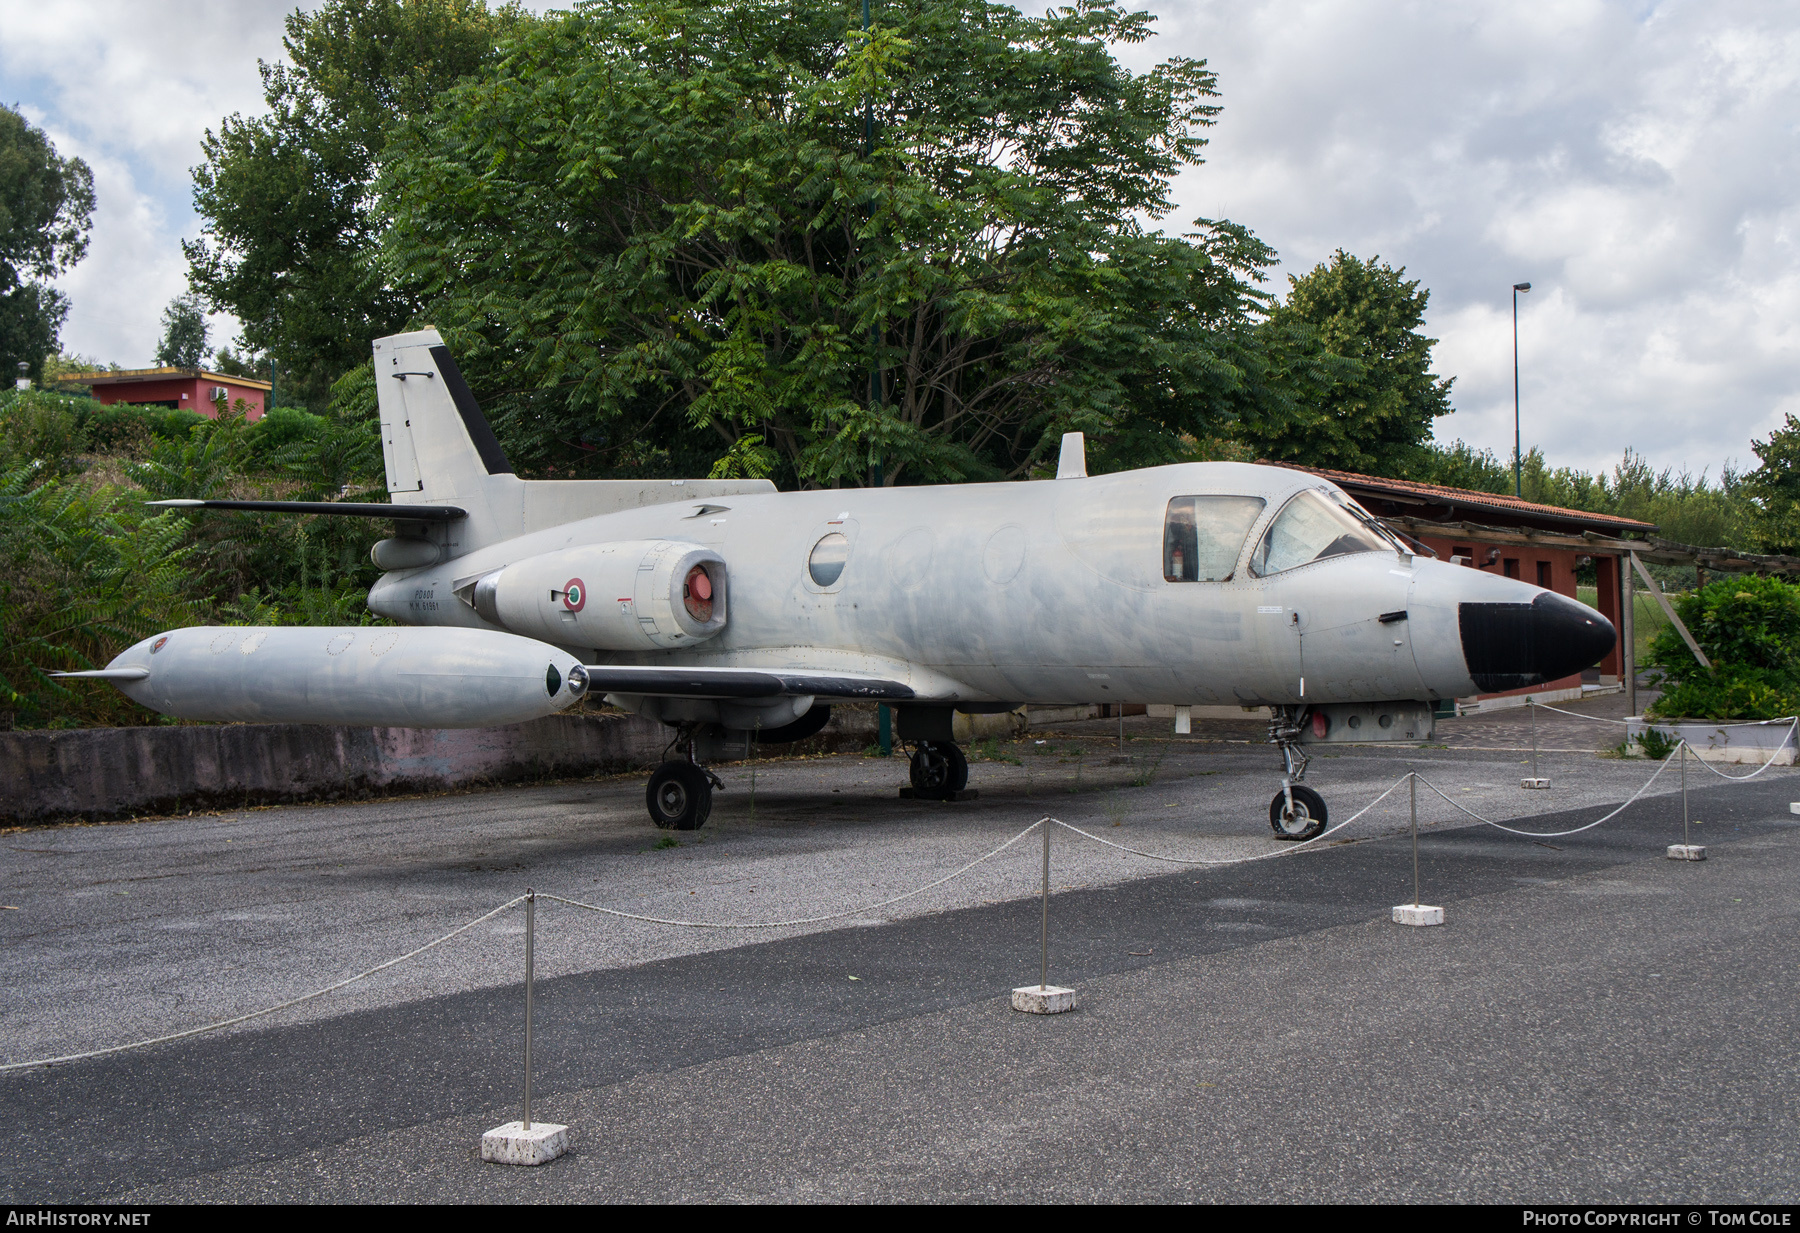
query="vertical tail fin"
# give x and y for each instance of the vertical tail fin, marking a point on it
(434, 439)
(440, 450)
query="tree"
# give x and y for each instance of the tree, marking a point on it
(1377, 416)
(185, 333)
(1775, 488)
(46, 211)
(289, 240)
(231, 364)
(657, 235)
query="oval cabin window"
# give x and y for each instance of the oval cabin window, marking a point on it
(826, 565)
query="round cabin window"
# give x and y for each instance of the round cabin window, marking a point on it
(826, 565)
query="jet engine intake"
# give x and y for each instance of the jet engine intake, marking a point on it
(635, 595)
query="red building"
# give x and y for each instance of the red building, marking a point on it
(191, 389)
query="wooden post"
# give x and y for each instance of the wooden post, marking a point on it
(1669, 611)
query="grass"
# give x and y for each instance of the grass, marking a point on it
(1144, 777)
(988, 750)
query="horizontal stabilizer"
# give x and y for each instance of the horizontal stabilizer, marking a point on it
(342, 509)
(108, 674)
(737, 683)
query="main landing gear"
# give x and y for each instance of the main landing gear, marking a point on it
(940, 772)
(1296, 812)
(680, 790)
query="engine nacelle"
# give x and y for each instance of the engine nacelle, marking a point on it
(636, 595)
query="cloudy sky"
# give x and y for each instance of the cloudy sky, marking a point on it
(1635, 162)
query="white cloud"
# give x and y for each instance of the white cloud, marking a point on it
(1635, 163)
(131, 88)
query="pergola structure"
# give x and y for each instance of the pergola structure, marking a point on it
(1546, 544)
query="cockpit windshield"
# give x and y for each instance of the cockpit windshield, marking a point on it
(1311, 528)
(1202, 536)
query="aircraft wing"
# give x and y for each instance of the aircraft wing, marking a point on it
(339, 509)
(675, 682)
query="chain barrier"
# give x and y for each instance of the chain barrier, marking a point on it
(1602, 719)
(267, 1010)
(806, 920)
(871, 907)
(1239, 860)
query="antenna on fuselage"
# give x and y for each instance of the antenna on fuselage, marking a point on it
(1073, 463)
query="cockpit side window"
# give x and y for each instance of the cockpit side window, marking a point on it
(1311, 528)
(1202, 536)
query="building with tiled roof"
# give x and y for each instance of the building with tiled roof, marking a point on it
(191, 389)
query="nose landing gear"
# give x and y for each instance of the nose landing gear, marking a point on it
(1296, 812)
(680, 790)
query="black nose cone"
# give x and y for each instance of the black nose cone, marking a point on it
(1516, 646)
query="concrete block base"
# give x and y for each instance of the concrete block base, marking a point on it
(514, 1145)
(966, 794)
(1687, 851)
(1418, 914)
(1794, 806)
(1534, 783)
(1043, 999)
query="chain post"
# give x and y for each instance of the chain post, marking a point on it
(530, 938)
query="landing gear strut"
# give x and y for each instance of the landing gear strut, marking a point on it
(1296, 812)
(939, 771)
(680, 790)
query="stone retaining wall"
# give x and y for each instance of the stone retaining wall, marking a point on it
(98, 774)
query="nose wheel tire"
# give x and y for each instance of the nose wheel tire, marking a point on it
(679, 796)
(1306, 820)
(939, 770)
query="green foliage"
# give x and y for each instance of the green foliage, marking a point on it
(249, 364)
(1377, 411)
(1775, 486)
(279, 429)
(83, 575)
(43, 429)
(1750, 629)
(1686, 508)
(46, 210)
(290, 243)
(31, 314)
(46, 204)
(1457, 465)
(185, 333)
(88, 568)
(1656, 743)
(655, 228)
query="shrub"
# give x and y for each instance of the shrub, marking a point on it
(1750, 630)
(280, 429)
(41, 427)
(83, 574)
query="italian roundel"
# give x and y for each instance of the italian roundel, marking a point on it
(575, 595)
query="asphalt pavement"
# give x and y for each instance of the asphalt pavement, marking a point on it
(1594, 1022)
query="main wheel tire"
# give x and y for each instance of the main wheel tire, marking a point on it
(679, 796)
(959, 767)
(938, 770)
(1307, 819)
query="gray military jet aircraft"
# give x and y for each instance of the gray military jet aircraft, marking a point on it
(726, 608)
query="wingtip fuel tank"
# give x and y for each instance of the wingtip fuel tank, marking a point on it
(364, 675)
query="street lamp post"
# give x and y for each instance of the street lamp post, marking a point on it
(1518, 485)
